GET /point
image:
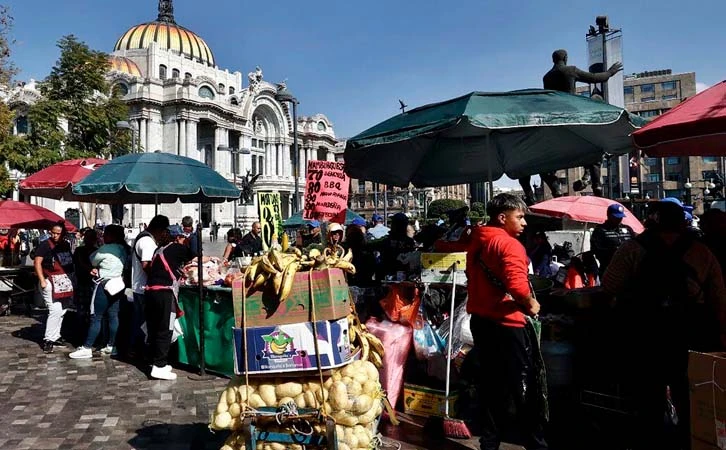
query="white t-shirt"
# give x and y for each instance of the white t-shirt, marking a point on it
(145, 247)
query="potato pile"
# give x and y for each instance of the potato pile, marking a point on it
(352, 396)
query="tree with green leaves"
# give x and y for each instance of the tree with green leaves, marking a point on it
(438, 208)
(76, 116)
(7, 72)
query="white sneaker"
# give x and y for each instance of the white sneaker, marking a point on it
(82, 353)
(161, 373)
(109, 350)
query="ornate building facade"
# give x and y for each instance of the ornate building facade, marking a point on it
(181, 102)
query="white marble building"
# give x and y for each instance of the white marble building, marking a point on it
(181, 102)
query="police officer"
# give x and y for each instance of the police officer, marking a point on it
(609, 235)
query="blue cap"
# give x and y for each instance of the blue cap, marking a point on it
(377, 218)
(616, 210)
(673, 200)
(314, 224)
(175, 230)
(359, 221)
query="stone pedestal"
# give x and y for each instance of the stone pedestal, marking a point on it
(246, 216)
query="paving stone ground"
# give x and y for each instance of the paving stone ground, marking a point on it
(49, 401)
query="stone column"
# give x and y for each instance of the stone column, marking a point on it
(221, 159)
(182, 140)
(143, 135)
(278, 160)
(192, 146)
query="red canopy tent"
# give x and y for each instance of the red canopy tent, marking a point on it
(24, 215)
(696, 127)
(584, 208)
(57, 181)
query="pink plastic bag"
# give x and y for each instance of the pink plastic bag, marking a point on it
(397, 341)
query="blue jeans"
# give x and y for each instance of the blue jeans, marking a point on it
(103, 304)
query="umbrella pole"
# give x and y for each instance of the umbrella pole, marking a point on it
(489, 168)
(203, 376)
(156, 206)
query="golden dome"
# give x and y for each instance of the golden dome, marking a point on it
(124, 65)
(167, 34)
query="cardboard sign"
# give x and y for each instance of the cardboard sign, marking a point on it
(326, 191)
(268, 207)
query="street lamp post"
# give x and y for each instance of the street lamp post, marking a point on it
(234, 153)
(283, 95)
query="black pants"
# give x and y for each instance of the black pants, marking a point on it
(507, 383)
(157, 306)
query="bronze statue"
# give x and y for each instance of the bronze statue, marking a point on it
(563, 78)
(166, 11)
(247, 193)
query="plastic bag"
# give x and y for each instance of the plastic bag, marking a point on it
(401, 304)
(396, 339)
(460, 315)
(426, 342)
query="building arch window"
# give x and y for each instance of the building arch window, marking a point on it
(234, 101)
(221, 88)
(120, 89)
(162, 71)
(21, 125)
(187, 76)
(175, 73)
(322, 126)
(206, 92)
(231, 90)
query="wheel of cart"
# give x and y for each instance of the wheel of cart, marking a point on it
(299, 421)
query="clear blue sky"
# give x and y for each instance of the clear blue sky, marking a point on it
(352, 60)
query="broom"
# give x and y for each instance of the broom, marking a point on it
(453, 428)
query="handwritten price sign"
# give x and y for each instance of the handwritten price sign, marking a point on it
(268, 204)
(326, 191)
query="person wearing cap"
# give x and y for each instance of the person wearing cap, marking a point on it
(334, 236)
(160, 297)
(609, 235)
(187, 224)
(312, 237)
(360, 223)
(378, 230)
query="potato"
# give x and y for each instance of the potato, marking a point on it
(343, 446)
(256, 401)
(328, 383)
(370, 387)
(336, 376)
(349, 371)
(339, 431)
(222, 406)
(310, 399)
(322, 396)
(222, 421)
(231, 395)
(284, 401)
(338, 396)
(360, 377)
(354, 389)
(290, 389)
(346, 380)
(314, 386)
(267, 393)
(235, 409)
(379, 409)
(370, 370)
(344, 419)
(300, 401)
(277, 446)
(226, 447)
(352, 441)
(369, 416)
(364, 436)
(362, 404)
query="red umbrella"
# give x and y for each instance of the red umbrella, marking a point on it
(24, 215)
(57, 181)
(583, 209)
(696, 127)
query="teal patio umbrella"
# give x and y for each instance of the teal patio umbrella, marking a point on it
(485, 135)
(153, 178)
(296, 219)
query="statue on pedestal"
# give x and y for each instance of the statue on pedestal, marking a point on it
(563, 78)
(247, 194)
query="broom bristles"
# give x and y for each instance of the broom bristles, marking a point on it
(455, 428)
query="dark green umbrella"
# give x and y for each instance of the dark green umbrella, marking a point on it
(153, 178)
(296, 219)
(484, 135)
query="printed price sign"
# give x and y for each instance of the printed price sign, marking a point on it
(326, 191)
(268, 207)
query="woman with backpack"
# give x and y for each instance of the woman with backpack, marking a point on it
(108, 264)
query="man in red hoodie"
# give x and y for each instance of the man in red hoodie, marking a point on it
(499, 298)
